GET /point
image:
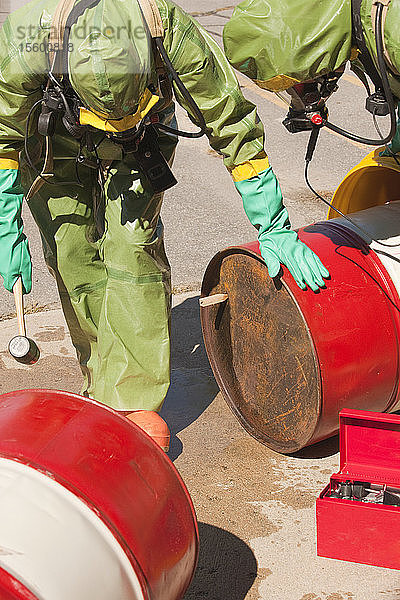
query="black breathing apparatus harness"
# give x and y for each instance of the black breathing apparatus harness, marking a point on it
(60, 101)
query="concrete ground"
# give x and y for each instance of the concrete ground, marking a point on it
(256, 508)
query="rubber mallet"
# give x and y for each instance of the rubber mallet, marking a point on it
(23, 349)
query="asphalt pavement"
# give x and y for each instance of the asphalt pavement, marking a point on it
(256, 508)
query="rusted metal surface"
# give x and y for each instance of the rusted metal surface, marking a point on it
(261, 352)
(288, 360)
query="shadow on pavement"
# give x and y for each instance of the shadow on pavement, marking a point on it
(322, 449)
(227, 566)
(187, 347)
(193, 387)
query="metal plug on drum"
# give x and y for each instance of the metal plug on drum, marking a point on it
(22, 348)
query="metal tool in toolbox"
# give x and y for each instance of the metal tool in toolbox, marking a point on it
(362, 491)
(358, 512)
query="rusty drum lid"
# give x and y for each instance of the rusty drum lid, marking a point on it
(261, 351)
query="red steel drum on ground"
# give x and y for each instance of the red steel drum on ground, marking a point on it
(91, 508)
(12, 589)
(287, 360)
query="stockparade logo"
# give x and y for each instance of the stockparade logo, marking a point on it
(30, 34)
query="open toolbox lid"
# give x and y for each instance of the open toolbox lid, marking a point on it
(369, 446)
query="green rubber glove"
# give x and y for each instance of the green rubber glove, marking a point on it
(15, 259)
(262, 201)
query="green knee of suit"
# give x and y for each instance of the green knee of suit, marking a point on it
(115, 292)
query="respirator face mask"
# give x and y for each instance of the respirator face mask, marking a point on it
(307, 102)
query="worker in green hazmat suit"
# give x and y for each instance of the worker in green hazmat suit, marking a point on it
(93, 202)
(301, 48)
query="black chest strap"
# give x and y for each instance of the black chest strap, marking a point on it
(359, 39)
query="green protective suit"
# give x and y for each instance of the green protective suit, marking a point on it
(115, 291)
(291, 41)
(281, 43)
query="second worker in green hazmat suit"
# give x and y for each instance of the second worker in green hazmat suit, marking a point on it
(114, 279)
(290, 45)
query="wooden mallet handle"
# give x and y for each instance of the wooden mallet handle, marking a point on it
(19, 305)
(23, 349)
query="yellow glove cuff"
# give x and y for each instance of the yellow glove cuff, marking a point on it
(9, 161)
(250, 168)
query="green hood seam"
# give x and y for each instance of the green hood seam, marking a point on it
(99, 69)
(15, 54)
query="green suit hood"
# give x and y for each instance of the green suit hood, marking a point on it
(279, 43)
(110, 58)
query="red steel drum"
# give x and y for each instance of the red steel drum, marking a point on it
(287, 360)
(12, 589)
(91, 508)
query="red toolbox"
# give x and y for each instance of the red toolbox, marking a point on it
(358, 513)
